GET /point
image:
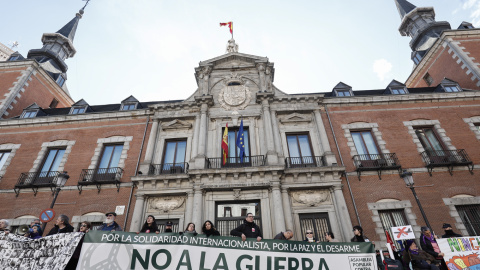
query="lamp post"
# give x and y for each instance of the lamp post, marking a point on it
(408, 178)
(61, 180)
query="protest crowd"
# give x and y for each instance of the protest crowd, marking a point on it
(422, 253)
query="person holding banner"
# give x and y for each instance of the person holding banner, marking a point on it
(248, 229)
(309, 237)
(191, 229)
(62, 225)
(209, 229)
(429, 244)
(419, 258)
(287, 235)
(110, 224)
(150, 225)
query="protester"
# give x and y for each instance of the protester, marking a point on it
(62, 225)
(209, 229)
(287, 235)
(359, 237)
(330, 237)
(309, 237)
(72, 264)
(168, 226)
(35, 222)
(449, 231)
(150, 225)
(36, 232)
(429, 244)
(190, 229)
(4, 225)
(248, 229)
(110, 224)
(419, 258)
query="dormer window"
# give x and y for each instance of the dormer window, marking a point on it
(398, 91)
(451, 89)
(29, 114)
(77, 110)
(13, 58)
(343, 93)
(417, 58)
(129, 106)
(60, 80)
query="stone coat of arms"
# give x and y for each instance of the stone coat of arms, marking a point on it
(234, 95)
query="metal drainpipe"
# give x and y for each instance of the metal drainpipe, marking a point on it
(341, 160)
(136, 173)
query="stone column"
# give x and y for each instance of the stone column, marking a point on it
(287, 210)
(189, 207)
(202, 135)
(195, 135)
(344, 217)
(197, 206)
(137, 221)
(267, 123)
(322, 132)
(261, 73)
(151, 141)
(276, 133)
(277, 208)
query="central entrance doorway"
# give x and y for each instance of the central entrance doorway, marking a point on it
(231, 214)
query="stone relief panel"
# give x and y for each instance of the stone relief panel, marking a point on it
(310, 198)
(166, 204)
(234, 94)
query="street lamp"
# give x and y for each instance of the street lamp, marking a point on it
(408, 178)
(61, 181)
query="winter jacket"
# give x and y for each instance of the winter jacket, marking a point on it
(426, 245)
(249, 229)
(68, 228)
(280, 236)
(113, 227)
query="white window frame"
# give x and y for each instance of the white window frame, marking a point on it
(8, 147)
(373, 127)
(44, 151)
(411, 125)
(111, 140)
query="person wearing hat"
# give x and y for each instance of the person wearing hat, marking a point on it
(419, 258)
(168, 226)
(110, 224)
(449, 231)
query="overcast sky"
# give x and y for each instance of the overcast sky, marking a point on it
(149, 48)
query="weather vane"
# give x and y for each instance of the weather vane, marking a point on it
(14, 44)
(85, 3)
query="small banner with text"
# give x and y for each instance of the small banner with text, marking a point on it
(120, 250)
(461, 253)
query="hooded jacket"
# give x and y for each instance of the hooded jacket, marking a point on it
(250, 229)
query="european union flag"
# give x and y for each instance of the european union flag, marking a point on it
(241, 142)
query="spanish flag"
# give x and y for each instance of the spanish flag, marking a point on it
(225, 145)
(230, 25)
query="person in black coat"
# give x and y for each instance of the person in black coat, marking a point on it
(248, 229)
(287, 235)
(449, 233)
(358, 235)
(150, 225)
(62, 225)
(209, 229)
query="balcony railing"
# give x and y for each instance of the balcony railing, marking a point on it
(36, 180)
(447, 158)
(376, 162)
(303, 162)
(168, 168)
(100, 176)
(235, 162)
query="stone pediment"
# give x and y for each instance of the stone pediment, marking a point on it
(295, 118)
(234, 59)
(176, 124)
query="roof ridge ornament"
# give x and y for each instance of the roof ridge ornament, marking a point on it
(232, 47)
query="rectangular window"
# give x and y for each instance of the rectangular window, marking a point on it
(343, 93)
(470, 215)
(229, 215)
(319, 223)
(398, 91)
(78, 110)
(110, 157)
(451, 89)
(429, 140)
(174, 156)
(51, 162)
(29, 114)
(392, 218)
(300, 149)
(233, 150)
(365, 144)
(128, 107)
(60, 80)
(3, 158)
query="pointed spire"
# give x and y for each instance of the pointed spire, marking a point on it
(70, 28)
(404, 7)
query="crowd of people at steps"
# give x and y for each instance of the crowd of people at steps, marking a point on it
(429, 257)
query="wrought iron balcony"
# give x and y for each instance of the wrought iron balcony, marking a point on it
(168, 168)
(447, 158)
(376, 162)
(36, 180)
(303, 162)
(99, 177)
(235, 162)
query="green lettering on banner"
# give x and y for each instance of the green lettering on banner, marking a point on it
(322, 264)
(187, 263)
(143, 262)
(167, 262)
(291, 262)
(202, 261)
(240, 259)
(304, 264)
(257, 262)
(221, 258)
(453, 243)
(277, 263)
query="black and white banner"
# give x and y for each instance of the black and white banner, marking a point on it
(47, 253)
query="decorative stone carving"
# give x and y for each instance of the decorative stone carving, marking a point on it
(236, 193)
(310, 197)
(235, 95)
(166, 204)
(176, 124)
(296, 117)
(231, 46)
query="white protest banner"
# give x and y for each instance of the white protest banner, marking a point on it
(461, 252)
(120, 250)
(47, 253)
(403, 232)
